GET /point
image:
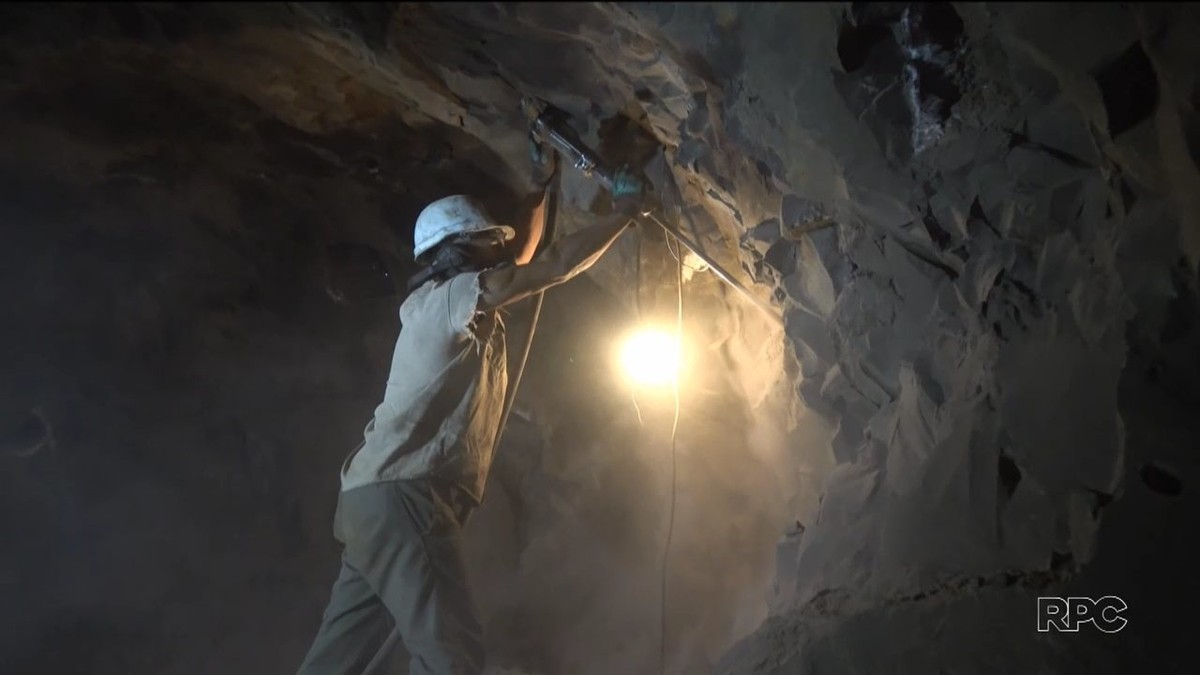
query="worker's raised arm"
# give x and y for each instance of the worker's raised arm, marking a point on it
(530, 237)
(560, 262)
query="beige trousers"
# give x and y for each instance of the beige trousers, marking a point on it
(402, 565)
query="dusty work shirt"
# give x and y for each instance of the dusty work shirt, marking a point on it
(444, 396)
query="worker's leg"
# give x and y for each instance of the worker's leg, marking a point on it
(406, 538)
(353, 627)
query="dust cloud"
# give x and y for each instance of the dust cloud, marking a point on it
(567, 550)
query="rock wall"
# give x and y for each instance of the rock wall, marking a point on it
(979, 222)
(1005, 201)
(961, 210)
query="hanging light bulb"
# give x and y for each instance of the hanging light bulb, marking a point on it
(651, 357)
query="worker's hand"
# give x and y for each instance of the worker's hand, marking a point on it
(543, 161)
(626, 184)
(628, 193)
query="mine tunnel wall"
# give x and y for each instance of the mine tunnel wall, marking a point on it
(980, 230)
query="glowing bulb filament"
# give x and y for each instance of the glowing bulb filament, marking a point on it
(651, 357)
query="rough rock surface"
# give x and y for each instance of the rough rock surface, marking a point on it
(980, 223)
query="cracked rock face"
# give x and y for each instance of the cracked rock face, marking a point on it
(979, 224)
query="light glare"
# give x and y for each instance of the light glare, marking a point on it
(651, 357)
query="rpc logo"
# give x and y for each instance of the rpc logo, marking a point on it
(1068, 614)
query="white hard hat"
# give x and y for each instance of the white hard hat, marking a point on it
(451, 216)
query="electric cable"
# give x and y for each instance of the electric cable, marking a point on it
(662, 647)
(637, 311)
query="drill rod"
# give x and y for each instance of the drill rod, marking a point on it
(574, 150)
(719, 271)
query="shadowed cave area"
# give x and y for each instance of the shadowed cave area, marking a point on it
(978, 223)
